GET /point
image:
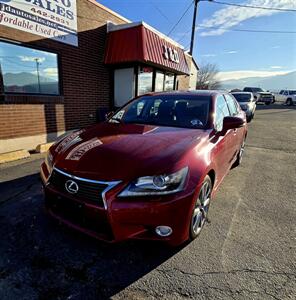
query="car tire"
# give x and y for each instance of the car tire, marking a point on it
(239, 155)
(201, 208)
(267, 103)
(289, 102)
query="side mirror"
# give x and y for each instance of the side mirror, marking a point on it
(109, 115)
(232, 123)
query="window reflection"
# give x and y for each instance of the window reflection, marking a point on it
(169, 82)
(28, 71)
(145, 80)
(159, 82)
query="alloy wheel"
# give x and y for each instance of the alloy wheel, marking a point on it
(201, 208)
(241, 151)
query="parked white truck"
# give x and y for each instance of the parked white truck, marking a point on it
(260, 95)
(286, 96)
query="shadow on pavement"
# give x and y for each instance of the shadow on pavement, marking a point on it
(40, 259)
(261, 106)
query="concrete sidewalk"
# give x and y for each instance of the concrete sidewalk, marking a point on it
(21, 168)
(19, 176)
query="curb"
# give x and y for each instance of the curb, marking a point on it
(41, 148)
(14, 155)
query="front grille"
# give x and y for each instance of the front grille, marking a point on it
(87, 191)
(71, 211)
(266, 97)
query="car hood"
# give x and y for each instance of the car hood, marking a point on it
(111, 151)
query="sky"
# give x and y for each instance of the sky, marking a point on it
(238, 54)
(16, 59)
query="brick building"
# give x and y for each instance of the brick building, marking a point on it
(48, 87)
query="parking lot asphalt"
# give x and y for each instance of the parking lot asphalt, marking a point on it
(246, 251)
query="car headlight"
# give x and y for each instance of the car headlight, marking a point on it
(156, 185)
(49, 161)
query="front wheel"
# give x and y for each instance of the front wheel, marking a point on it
(289, 102)
(201, 208)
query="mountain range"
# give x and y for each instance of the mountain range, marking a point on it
(273, 83)
(24, 78)
(25, 82)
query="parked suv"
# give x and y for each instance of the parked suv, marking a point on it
(260, 95)
(287, 96)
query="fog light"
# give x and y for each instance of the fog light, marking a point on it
(163, 230)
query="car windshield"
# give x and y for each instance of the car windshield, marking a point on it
(242, 97)
(257, 90)
(166, 110)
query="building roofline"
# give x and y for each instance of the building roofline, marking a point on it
(110, 11)
(113, 27)
(192, 58)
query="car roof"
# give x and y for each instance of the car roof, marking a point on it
(247, 93)
(188, 93)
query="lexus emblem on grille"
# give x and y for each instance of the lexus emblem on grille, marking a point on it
(71, 187)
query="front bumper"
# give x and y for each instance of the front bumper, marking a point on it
(264, 100)
(248, 112)
(123, 218)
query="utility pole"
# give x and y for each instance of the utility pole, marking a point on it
(193, 25)
(38, 77)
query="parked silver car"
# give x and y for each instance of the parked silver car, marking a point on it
(247, 103)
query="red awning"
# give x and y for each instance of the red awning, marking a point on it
(141, 44)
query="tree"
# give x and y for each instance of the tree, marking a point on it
(207, 77)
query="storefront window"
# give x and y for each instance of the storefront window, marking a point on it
(159, 82)
(145, 80)
(28, 71)
(169, 82)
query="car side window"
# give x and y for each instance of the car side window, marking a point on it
(221, 111)
(286, 93)
(231, 105)
(281, 92)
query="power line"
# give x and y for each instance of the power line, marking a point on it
(252, 6)
(180, 19)
(246, 30)
(183, 36)
(161, 12)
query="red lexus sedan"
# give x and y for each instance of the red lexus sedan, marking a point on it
(148, 172)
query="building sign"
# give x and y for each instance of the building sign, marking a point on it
(170, 54)
(53, 19)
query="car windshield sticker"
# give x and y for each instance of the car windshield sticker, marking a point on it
(69, 141)
(196, 122)
(80, 150)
